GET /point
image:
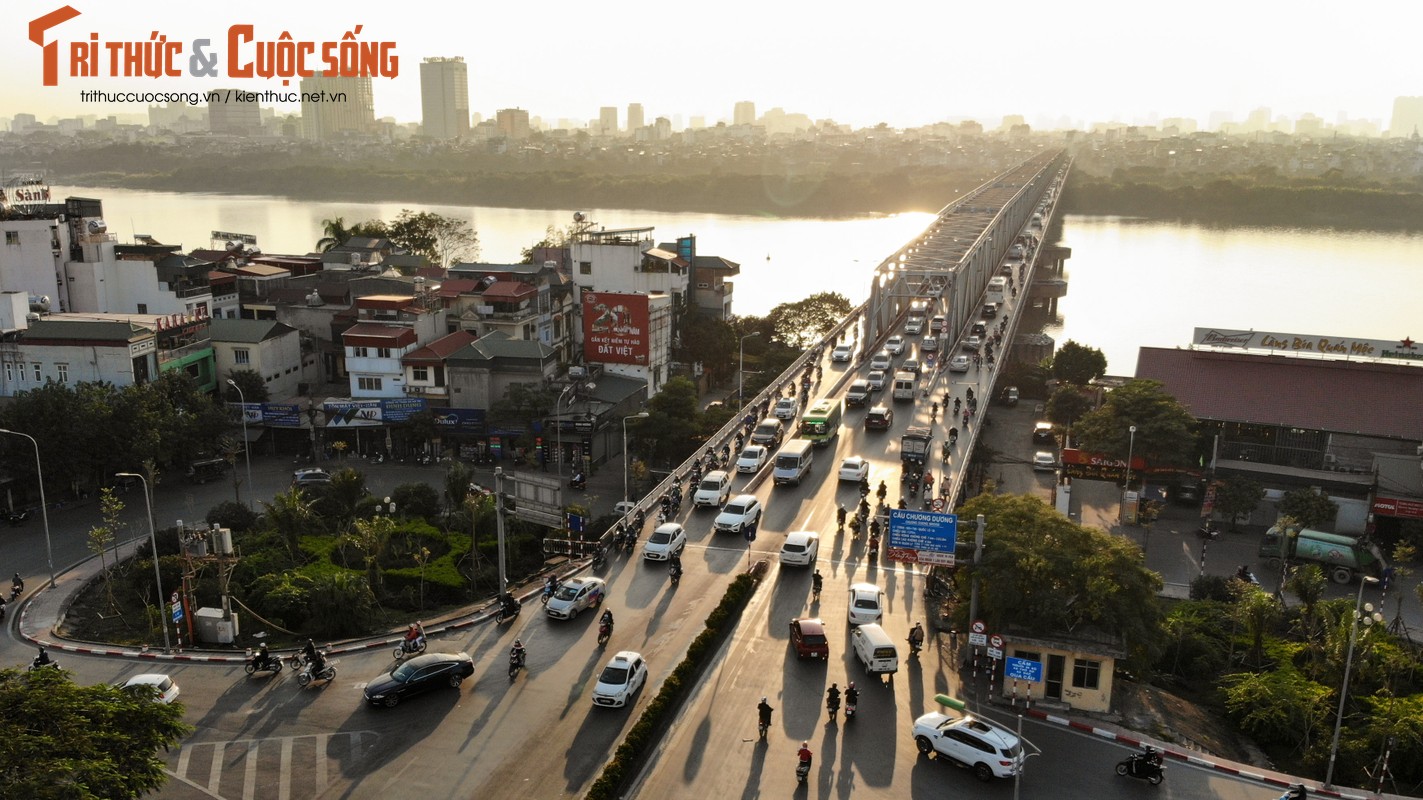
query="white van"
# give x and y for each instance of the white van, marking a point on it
(714, 489)
(875, 649)
(904, 383)
(793, 462)
(769, 432)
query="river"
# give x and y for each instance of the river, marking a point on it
(1132, 282)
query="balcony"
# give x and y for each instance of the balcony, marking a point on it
(176, 353)
(185, 291)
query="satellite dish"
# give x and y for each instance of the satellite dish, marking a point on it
(579, 216)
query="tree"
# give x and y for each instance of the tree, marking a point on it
(1237, 496)
(254, 388)
(443, 240)
(1052, 576)
(523, 403)
(1307, 583)
(236, 516)
(1308, 508)
(1165, 431)
(669, 430)
(291, 516)
(101, 536)
(341, 605)
(1258, 611)
(416, 500)
(1077, 364)
(336, 233)
(1067, 405)
(60, 740)
(710, 342)
(805, 321)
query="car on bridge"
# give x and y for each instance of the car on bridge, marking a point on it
(800, 548)
(739, 512)
(866, 603)
(881, 360)
(576, 595)
(808, 638)
(879, 418)
(937, 324)
(929, 344)
(972, 343)
(1044, 461)
(990, 751)
(990, 310)
(620, 680)
(752, 458)
(417, 675)
(959, 363)
(914, 326)
(842, 352)
(876, 380)
(785, 408)
(666, 541)
(854, 468)
(910, 365)
(895, 345)
(858, 394)
(714, 489)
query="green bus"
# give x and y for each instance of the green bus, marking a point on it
(821, 422)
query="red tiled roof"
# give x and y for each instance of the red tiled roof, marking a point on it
(374, 334)
(438, 350)
(1342, 396)
(508, 291)
(454, 287)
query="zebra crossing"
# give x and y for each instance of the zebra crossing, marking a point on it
(276, 768)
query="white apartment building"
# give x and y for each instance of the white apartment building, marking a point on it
(388, 327)
(269, 348)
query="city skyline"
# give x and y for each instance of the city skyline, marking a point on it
(902, 66)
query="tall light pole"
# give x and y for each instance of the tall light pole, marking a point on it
(626, 460)
(153, 542)
(1131, 446)
(741, 369)
(246, 443)
(558, 412)
(44, 506)
(1367, 615)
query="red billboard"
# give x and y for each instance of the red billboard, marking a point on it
(615, 328)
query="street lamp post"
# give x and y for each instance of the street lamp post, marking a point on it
(626, 460)
(1366, 614)
(1126, 483)
(246, 444)
(153, 542)
(558, 418)
(741, 369)
(44, 506)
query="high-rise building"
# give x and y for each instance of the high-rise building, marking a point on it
(512, 122)
(608, 120)
(231, 114)
(334, 106)
(744, 114)
(1407, 117)
(634, 117)
(444, 98)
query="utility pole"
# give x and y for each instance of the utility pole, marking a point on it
(977, 558)
(499, 518)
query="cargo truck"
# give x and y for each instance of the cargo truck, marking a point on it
(1342, 558)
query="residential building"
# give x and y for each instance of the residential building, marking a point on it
(387, 328)
(233, 113)
(481, 372)
(707, 276)
(523, 301)
(608, 120)
(333, 107)
(56, 252)
(425, 372)
(225, 302)
(357, 253)
(635, 117)
(444, 98)
(512, 123)
(269, 348)
(744, 113)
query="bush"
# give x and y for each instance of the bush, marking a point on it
(1213, 587)
(232, 515)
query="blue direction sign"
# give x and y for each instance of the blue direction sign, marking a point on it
(923, 530)
(1023, 669)
(177, 612)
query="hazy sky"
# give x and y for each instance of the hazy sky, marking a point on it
(904, 63)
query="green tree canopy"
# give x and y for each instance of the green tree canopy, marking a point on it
(1237, 496)
(1308, 508)
(61, 741)
(1165, 431)
(1077, 364)
(710, 342)
(800, 323)
(1067, 405)
(1048, 575)
(443, 240)
(669, 431)
(254, 389)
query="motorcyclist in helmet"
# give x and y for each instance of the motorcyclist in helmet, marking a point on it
(607, 618)
(816, 581)
(517, 652)
(414, 636)
(259, 658)
(852, 695)
(840, 516)
(763, 710)
(43, 658)
(804, 754)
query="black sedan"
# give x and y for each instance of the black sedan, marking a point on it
(417, 675)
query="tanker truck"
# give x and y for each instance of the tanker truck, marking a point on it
(1341, 557)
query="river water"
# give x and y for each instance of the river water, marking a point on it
(1131, 282)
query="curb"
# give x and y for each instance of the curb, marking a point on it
(1195, 760)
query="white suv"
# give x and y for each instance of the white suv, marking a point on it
(713, 490)
(739, 512)
(990, 751)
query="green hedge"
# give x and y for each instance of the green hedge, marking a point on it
(648, 730)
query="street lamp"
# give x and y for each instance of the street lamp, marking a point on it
(741, 369)
(558, 416)
(246, 443)
(153, 542)
(626, 460)
(1365, 613)
(44, 506)
(1131, 445)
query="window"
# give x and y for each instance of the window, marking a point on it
(421, 374)
(12, 237)
(38, 378)
(242, 355)
(359, 352)
(62, 372)
(143, 308)
(383, 352)
(1084, 673)
(585, 267)
(368, 384)
(9, 371)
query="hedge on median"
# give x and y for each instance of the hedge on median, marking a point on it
(658, 714)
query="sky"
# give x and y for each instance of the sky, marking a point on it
(899, 62)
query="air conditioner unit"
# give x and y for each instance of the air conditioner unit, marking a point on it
(1329, 458)
(414, 389)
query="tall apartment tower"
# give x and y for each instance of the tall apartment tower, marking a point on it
(1407, 117)
(635, 120)
(348, 106)
(745, 113)
(608, 120)
(444, 98)
(512, 122)
(229, 115)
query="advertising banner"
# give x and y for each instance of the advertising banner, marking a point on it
(1404, 349)
(615, 328)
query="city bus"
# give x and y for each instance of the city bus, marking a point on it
(996, 289)
(821, 422)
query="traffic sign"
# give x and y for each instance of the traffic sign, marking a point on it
(177, 612)
(976, 635)
(1023, 669)
(995, 640)
(938, 504)
(979, 626)
(995, 653)
(750, 531)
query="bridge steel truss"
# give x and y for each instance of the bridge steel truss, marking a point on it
(950, 263)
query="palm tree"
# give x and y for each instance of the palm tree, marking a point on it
(290, 516)
(335, 231)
